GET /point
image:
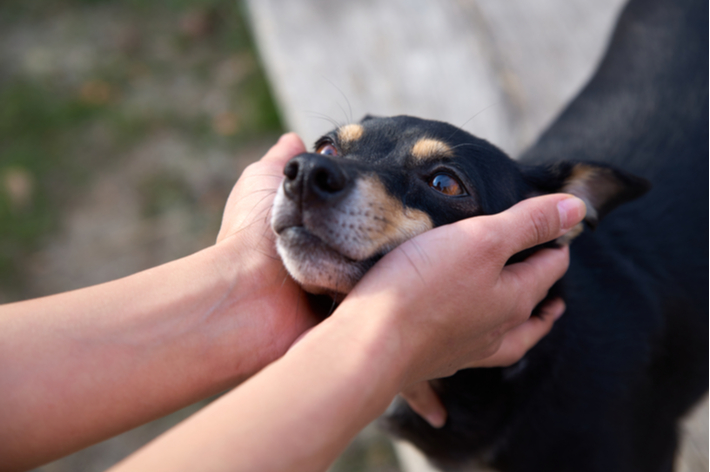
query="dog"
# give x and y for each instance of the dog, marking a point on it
(605, 389)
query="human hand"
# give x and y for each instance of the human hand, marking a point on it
(475, 311)
(421, 396)
(282, 312)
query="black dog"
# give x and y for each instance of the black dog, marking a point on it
(604, 390)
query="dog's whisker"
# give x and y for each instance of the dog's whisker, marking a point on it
(259, 202)
(271, 256)
(278, 176)
(414, 266)
(461, 127)
(325, 117)
(421, 252)
(267, 216)
(270, 190)
(248, 226)
(265, 254)
(333, 306)
(269, 193)
(473, 145)
(349, 116)
(267, 226)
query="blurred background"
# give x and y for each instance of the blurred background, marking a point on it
(124, 124)
(123, 127)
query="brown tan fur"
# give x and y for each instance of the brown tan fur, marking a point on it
(427, 148)
(584, 177)
(581, 178)
(394, 223)
(567, 238)
(350, 133)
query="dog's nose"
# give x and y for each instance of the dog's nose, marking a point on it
(313, 176)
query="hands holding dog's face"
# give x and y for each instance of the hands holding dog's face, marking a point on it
(451, 298)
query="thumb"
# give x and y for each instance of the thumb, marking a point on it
(288, 146)
(537, 220)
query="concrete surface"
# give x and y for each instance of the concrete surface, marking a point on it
(501, 70)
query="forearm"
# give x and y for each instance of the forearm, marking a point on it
(297, 414)
(82, 366)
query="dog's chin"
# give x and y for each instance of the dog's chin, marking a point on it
(317, 267)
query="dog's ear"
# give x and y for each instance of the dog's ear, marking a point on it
(367, 117)
(602, 187)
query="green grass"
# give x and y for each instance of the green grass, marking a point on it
(35, 125)
(44, 123)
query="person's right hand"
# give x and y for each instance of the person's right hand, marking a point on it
(455, 302)
(421, 396)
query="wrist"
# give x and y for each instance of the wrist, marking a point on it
(373, 327)
(262, 310)
(226, 326)
(119, 354)
(397, 329)
(307, 405)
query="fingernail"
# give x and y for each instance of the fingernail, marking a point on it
(557, 314)
(436, 419)
(557, 308)
(572, 211)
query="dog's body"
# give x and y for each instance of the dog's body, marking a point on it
(603, 391)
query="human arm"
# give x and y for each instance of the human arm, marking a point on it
(79, 367)
(302, 410)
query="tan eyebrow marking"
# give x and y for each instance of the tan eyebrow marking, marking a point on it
(426, 148)
(350, 133)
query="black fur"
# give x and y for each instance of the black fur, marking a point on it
(604, 391)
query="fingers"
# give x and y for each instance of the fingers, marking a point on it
(536, 221)
(532, 278)
(288, 146)
(426, 403)
(258, 181)
(521, 339)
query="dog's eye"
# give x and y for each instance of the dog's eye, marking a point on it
(327, 149)
(446, 184)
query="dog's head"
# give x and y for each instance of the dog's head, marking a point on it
(370, 186)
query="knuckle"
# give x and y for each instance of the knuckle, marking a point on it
(491, 349)
(509, 359)
(540, 225)
(490, 245)
(251, 169)
(523, 309)
(513, 357)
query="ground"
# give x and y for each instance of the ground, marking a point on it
(123, 127)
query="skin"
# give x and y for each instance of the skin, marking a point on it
(79, 367)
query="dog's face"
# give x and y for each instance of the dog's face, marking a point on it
(372, 185)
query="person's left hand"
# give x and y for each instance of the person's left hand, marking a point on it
(283, 312)
(280, 310)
